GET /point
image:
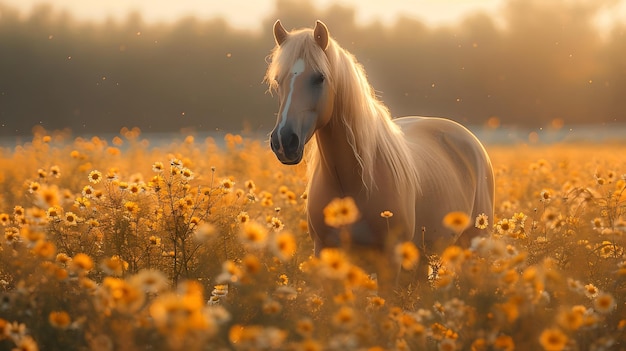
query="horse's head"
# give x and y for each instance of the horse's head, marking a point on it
(299, 72)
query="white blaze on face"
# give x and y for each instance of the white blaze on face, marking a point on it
(296, 70)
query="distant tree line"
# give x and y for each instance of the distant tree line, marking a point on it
(548, 61)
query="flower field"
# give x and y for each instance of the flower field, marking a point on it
(202, 245)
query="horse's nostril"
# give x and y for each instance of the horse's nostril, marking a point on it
(293, 142)
(287, 144)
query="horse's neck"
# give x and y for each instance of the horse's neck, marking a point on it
(338, 159)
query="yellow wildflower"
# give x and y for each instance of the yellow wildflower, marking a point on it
(243, 217)
(26, 343)
(479, 344)
(55, 171)
(282, 191)
(504, 343)
(304, 327)
(112, 174)
(121, 295)
(194, 221)
(545, 196)
(284, 246)
(571, 319)
(291, 197)
(251, 264)
(314, 303)
(444, 278)
(452, 257)
(150, 281)
(12, 235)
(520, 219)
(604, 303)
(220, 290)
(178, 315)
(447, 345)
(227, 185)
(375, 303)
(356, 277)
(254, 337)
(344, 318)
(59, 319)
(482, 221)
(131, 207)
(334, 263)
(18, 211)
(34, 187)
(407, 255)
(341, 212)
(253, 234)
(276, 224)
(187, 174)
(386, 214)
(157, 167)
(591, 291)
(114, 265)
(456, 221)
(505, 226)
(553, 339)
(204, 232)
(82, 202)
(48, 196)
(230, 272)
(510, 308)
(71, 218)
(81, 262)
(271, 306)
(135, 188)
(95, 177)
(63, 258)
(5, 219)
(249, 184)
(44, 249)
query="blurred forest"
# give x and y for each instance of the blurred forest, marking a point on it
(548, 62)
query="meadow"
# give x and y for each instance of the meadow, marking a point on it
(202, 245)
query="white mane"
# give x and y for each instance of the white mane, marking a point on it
(372, 135)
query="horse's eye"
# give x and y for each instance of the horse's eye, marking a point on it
(318, 79)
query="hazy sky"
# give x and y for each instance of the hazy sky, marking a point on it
(249, 13)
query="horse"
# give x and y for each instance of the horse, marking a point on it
(418, 168)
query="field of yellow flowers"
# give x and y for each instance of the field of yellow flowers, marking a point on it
(123, 245)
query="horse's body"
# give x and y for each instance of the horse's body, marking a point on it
(418, 168)
(455, 174)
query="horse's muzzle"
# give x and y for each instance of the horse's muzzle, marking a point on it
(287, 148)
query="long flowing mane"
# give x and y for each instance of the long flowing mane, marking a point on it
(371, 133)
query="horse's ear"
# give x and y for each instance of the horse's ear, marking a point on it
(320, 33)
(280, 33)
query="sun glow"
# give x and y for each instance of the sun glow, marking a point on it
(367, 11)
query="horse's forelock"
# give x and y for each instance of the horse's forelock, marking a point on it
(299, 45)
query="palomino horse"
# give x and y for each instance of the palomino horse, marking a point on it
(418, 168)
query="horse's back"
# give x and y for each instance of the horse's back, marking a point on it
(455, 175)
